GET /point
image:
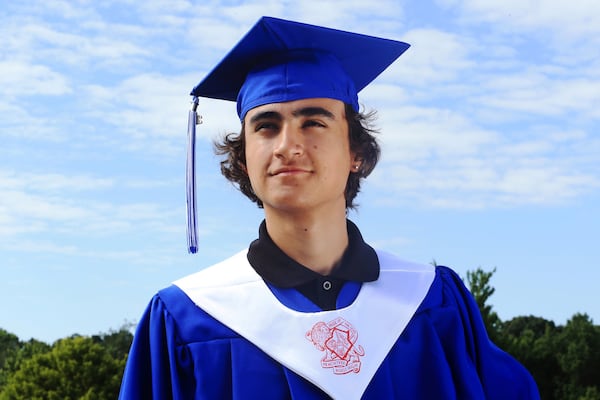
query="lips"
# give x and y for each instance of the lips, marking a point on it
(289, 171)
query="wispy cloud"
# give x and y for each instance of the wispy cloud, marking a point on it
(467, 102)
(22, 78)
(54, 204)
(495, 106)
(569, 20)
(482, 121)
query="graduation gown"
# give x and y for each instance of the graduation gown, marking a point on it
(423, 343)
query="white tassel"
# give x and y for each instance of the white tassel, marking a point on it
(190, 181)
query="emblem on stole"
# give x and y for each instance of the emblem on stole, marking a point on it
(337, 339)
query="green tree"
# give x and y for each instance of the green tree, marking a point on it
(29, 349)
(533, 341)
(578, 356)
(9, 347)
(13, 352)
(75, 368)
(478, 282)
(117, 343)
(591, 393)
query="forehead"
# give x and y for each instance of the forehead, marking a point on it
(298, 108)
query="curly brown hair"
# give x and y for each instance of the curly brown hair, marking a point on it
(362, 142)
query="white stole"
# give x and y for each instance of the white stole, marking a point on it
(340, 350)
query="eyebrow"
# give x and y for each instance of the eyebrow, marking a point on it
(273, 115)
(302, 112)
(312, 111)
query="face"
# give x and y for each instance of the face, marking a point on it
(298, 154)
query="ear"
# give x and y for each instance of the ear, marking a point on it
(355, 164)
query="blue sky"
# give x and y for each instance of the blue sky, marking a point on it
(489, 128)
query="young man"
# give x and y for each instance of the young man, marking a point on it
(310, 311)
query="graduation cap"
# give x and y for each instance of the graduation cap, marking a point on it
(279, 61)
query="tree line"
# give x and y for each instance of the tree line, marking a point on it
(563, 359)
(76, 367)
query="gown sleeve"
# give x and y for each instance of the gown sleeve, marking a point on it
(155, 366)
(500, 375)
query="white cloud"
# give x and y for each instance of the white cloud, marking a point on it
(18, 78)
(162, 7)
(417, 133)
(354, 15)
(434, 57)
(459, 111)
(55, 203)
(150, 109)
(60, 8)
(20, 204)
(51, 182)
(575, 19)
(445, 162)
(32, 203)
(89, 42)
(476, 121)
(534, 92)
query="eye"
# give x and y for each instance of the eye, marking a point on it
(310, 123)
(265, 126)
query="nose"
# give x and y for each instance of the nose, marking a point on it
(290, 142)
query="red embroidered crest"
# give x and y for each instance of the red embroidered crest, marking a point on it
(337, 339)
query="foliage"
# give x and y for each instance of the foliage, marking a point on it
(117, 343)
(578, 357)
(13, 352)
(9, 347)
(77, 367)
(532, 340)
(564, 360)
(479, 285)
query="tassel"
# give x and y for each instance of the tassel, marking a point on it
(190, 180)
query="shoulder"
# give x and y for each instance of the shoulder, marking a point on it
(391, 262)
(450, 318)
(229, 271)
(174, 306)
(445, 284)
(447, 290)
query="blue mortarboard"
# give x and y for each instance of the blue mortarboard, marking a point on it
(279, 61)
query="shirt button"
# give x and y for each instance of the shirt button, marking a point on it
(326, 285)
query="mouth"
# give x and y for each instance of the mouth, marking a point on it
(289, 171)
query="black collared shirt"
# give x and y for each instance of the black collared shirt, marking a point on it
(359, 263)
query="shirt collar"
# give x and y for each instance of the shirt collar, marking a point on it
(359, 262)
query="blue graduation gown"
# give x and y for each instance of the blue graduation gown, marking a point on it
(181, 352)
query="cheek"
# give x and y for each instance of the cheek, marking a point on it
(254, 163)
(250, 153)
(250, 166)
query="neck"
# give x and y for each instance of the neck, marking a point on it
(318, 243)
